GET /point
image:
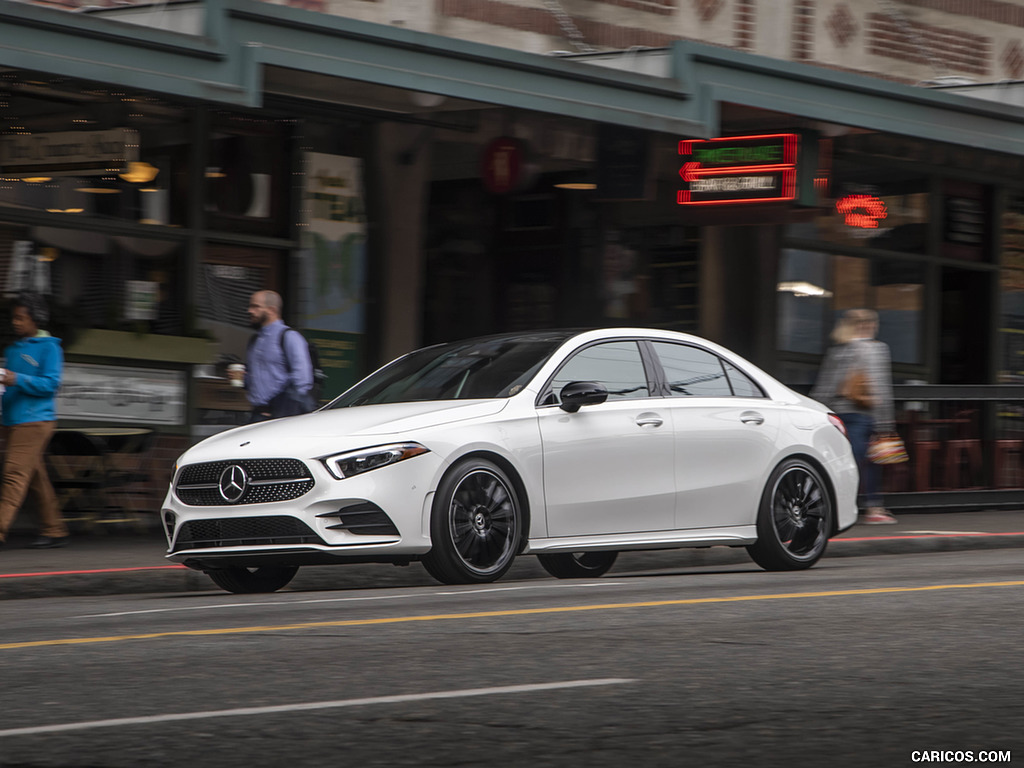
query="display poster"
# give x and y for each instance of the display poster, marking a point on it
(141, 299)
(118, 393)
(333, 265)
(27, 271)
(340, 359)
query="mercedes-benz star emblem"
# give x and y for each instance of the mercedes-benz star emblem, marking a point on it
(233, 482)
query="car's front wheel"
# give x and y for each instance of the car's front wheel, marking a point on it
(474, 525)
(577, 565)
(249, 580)
(794, 520)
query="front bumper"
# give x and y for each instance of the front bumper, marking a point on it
(383, 514)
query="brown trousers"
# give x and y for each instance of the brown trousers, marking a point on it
(25, 471)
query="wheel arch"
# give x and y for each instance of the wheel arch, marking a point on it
(509, 469)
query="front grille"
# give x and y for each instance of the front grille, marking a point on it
(268, 480)
(244, 532)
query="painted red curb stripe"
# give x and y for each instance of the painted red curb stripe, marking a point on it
(927, 536)
(97, 570)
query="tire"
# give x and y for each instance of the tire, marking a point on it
(249, 580)
(475, 525)
(794, 520)
(578, 565)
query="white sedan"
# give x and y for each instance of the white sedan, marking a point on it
(568, 445)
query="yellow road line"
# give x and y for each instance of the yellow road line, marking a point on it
(497, 614)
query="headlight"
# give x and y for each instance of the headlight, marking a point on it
(356, 462)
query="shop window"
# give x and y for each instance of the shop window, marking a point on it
(897, 289)
(966, 214)
(872, 208)
(804, 301)
(814, 289)
(101, 281)
(1011, 325)
(91, 153)
(228, 276)
(247, 176)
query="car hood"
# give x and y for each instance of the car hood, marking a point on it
(320, 432)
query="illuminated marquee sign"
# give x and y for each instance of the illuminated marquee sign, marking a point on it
(862, 211)
(738, 169)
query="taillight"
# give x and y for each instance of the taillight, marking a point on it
(838, 424)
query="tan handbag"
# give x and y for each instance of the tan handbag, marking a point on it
(857, 389)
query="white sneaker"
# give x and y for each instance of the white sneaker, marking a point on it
(877, 516)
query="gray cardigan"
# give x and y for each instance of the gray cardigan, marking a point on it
(873, 358)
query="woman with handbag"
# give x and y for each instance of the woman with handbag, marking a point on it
(855, 381)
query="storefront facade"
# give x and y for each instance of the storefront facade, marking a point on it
(399, 189)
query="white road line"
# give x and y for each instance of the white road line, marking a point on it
(944, 533)
(285, 601)
(313, 705)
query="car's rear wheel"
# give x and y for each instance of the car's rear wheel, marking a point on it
(577, 565)
(249, 580)
(794, 520)
(475, 524)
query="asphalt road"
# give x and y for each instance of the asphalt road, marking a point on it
(866, 661)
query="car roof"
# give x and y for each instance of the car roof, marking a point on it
(564, 334)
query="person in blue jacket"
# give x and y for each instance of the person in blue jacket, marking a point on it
(31, 377)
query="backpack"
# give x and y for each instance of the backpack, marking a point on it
(319, 376)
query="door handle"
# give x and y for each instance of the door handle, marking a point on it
(751, 417)
(649, 420)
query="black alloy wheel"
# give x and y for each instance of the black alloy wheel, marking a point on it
(794, 521)
(475, 525)
(577, 565)
(243, 581)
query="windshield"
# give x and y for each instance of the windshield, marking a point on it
(478, 368)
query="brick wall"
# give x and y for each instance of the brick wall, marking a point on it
(803, 29)
(982, 10)
(746, 21)
(663, 7)
(541, 21)
(907, 40)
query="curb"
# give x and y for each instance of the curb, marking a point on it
(178, 578)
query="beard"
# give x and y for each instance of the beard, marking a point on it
(256, 324)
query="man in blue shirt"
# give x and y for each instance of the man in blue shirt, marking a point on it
(279, 372)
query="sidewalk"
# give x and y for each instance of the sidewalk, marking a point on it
(133, 562)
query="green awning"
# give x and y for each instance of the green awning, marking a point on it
(143, 347)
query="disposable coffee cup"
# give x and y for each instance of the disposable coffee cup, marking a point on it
(237, 370)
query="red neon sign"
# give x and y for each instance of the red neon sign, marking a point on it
(862, 211)
(738, 169)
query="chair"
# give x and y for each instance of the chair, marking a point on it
(129, 471)
(963, 464)
(1006, 460)
(80, 473)
(895, 478)
(923, 452)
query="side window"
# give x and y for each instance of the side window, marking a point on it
(617, 365)
(742, 385)
(692, 372)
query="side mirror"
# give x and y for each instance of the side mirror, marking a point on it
(576, 394)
